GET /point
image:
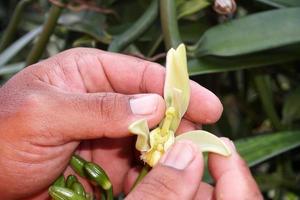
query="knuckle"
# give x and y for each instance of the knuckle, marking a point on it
(111, 107)
(31, 103)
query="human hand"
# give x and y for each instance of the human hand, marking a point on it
(178, 176)
(82, 95)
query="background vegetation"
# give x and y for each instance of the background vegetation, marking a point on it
(249, 59)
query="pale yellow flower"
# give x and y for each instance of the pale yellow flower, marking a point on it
(153, 144)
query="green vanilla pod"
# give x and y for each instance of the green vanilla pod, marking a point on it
(61, 193)
(78, 189)
(60, 181)
(77, 164)
(97, 175)
(70, 181)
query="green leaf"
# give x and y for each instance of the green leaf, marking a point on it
(12, 68)
(212, 64)
(191, 7)
(281, 3)
(291, 108)
(253, 33)
(88, 22)
(17, 46)
(260, 148)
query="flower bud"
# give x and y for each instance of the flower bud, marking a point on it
(225, 7)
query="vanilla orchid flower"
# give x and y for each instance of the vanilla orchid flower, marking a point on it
(153, 144)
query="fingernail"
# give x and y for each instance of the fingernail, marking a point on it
(179, 156)
(144, 104)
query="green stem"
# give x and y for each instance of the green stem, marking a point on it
(142, 174)
(109, 194)
(266, 97)
(169, 23)
(11, 29)
(137, 29)
(48, 28)
(155, 46)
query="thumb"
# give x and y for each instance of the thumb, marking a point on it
(177, 176)
(89, 116)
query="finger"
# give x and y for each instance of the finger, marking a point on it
(131, 178)
(115, 157)
(205, 192)
(89, 116)
(151, 78)
(177, 176)
(185, 126)
(108, 72)
(233, 177)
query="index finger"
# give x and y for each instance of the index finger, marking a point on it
(233, 177)
(130, 75)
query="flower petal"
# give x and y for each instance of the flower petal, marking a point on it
(177, 78)
(206, 141)
(141, 129)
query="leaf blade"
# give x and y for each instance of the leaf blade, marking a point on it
(260, 148)
(264, 31)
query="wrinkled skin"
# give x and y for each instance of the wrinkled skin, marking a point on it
(79, 100)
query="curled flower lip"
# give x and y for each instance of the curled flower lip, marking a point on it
(153, 144)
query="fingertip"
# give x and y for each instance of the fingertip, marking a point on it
(232, 174)
(204, 102)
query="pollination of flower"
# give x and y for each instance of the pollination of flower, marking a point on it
(225, 7)
(153, 144)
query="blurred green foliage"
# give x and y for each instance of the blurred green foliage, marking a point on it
(250, 59)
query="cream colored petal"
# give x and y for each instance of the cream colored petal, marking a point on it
(141, 129)
(206, 141)
(170, 141)
(176, 103)
(177, 78)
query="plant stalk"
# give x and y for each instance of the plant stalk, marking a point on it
(142, 174)
(266, 97)
(48, 28)
(109, 194)
(11, 29)
(169, 23)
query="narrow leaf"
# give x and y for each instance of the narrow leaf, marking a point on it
(17, 46)
(291, 108)
(260, 148)
(191, 7)
(211, 64)
(12, 68)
